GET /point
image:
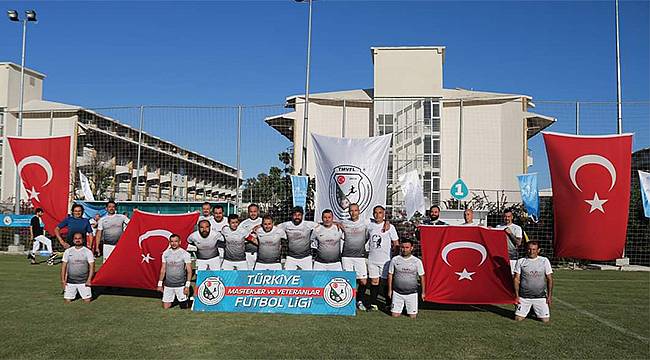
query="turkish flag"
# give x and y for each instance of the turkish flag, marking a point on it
(590, 176)
(466, 265)
(44, 168)
(136, 261)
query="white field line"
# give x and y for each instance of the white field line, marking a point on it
(603, 321)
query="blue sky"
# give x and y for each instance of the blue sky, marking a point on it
(246, 52)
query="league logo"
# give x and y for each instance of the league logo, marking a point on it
(211, 291)
(349, 185)
(338, 293)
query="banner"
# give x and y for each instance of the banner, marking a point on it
(44, 168)
(136, 261)
(91, 210)
(299, 186)
(413, 196)
(590, 176)
(12, 220)
(350, 171)
(466, 265)
(288, 292)
(85, 187)
(644, 185)
(529, 194)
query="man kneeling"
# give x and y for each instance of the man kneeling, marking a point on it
(403, 274)
(175, 274)
(77, 270)
(533, 276)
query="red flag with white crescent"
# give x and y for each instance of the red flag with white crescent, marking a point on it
(466, 265)
(590, 176)
(44, 168)
(136, 261)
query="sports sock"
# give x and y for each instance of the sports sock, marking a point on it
(361, 293)
(374, 291)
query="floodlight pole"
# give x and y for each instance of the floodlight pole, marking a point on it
(305, 122)
(619, 110)
(19, 128)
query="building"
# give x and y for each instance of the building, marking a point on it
(107, 151)
(444, 134)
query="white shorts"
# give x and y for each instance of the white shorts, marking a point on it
(377, 270)
(205, 264)
(41, 239)
(251, 259)
(107, 250)
(71, 290)
(232, 265)
(170, 292)
(328, 266)
(399, 301)
(305, 263)
(512, 266)
(356, 264)
(539, 305)
(262, 266)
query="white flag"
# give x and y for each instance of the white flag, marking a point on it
(412, 190)
(85, 187)
(644, 182)
(350, 171)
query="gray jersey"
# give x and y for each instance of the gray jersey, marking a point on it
(235, 241)
(247, 226)
(532, 274)
(269, 249)
(512, 246)
(298, 238)
(174, 262)
(78, 262)
(327, 242)
(356, 237)
(206, 247)
(406, 272)
(380, 243)
(112, 227)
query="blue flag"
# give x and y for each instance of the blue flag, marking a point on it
(91, 210)
(644, 182)
(529, 194)
(299, 186)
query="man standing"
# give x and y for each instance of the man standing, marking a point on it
(247, 226)
(434, 216)
(175, 274)
(269, 245)
(38, 235)
(403, 274)
(75, 224)
(354, 251)
(205, 240)
(326, 239)
(382, 244)
(206, 209)
(77, 270)
(514, 236)
(110, 229)
(217, 223)
(298, 241)
(234, 237)
(533, 284)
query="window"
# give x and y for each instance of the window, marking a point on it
(436, 146)
(427, 109)
(427, 144)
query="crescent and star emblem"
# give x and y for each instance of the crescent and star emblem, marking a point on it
(596, 203)
(464, 245)
(42, 162)
(158, 232)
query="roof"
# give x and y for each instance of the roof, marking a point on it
(353, 95)
(283, 123)
(29, 71)
(537, 122)
(43, 105)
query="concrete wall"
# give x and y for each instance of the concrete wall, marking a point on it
(10, 86)
(407, 72)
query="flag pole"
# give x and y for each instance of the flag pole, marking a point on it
(623, 261)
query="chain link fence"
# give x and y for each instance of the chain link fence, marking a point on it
(238, 155)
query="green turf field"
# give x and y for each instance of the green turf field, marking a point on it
(596, 314)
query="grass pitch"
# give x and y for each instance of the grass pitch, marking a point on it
(595, 315)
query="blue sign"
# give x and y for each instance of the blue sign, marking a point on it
(299, 185)
(288, 292)
(459, 190)
(529, 194)
(12, 220)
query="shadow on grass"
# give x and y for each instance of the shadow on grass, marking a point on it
(497, 310)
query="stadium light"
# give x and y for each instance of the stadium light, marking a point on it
(306, 111)
(30, 16)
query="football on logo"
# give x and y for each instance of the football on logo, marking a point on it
(349, 185)
(338, 293)
(211, 291)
